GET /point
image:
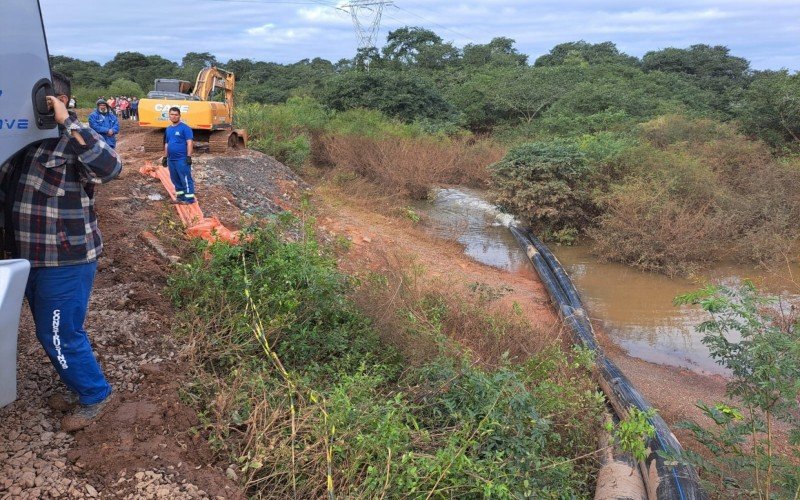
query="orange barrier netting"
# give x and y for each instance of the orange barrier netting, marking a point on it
(198, 226)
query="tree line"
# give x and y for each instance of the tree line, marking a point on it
(576, 88)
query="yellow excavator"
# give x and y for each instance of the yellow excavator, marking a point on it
(210, 118)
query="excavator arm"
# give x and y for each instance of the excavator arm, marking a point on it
(213, 78)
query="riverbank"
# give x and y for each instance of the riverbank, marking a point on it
(672, 390)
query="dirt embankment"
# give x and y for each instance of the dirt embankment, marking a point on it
(150, 444)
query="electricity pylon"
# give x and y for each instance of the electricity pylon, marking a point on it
(366, 16)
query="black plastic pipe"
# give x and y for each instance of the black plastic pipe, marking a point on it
(664, 482)
(574, 316)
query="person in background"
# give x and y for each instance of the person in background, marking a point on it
(105, 123)
(135, 108)
(178, 148)
(124, 105)
(47, 194)
(72, 104)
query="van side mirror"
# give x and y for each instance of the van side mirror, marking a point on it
(44, 116)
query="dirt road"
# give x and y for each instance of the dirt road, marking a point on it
(151, 444)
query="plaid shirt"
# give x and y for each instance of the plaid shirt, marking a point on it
(52, 210)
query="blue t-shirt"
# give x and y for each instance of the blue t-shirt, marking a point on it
(176, 136)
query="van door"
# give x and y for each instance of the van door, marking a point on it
(24, 78)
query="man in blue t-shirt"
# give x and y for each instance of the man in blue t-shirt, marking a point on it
(178, 147)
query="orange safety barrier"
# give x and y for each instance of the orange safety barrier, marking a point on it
(197, 225)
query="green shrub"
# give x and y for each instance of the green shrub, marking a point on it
(123, 87)
(295, 286)
(369, 123)
(548, 185)
(760, 346)
(404, 95)
(283, 120)
(283, 130)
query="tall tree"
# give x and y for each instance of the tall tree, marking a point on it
(711, 68)
(701, 61)
(527, 92)
(419, 47)
(82, 73)
(405, 95)
(584, 52)
(499, 52)
(198, 60)
(141, 69)
(193, 62)
(770, 108)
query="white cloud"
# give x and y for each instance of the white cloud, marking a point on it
(268, 33)
(647, 16)
(325, 15)
(261, 30)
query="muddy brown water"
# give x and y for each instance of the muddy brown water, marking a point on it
(635, 308)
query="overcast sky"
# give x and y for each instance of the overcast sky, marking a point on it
(766, 32)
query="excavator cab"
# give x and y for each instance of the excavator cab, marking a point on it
(25, 119)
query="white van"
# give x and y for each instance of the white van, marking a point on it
(25, 80)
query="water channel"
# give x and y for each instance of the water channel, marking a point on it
(634, 307)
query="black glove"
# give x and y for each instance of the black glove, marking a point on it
(189, 160)
(163, 161)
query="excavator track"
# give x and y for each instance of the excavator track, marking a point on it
(154, 141)
(218, 141)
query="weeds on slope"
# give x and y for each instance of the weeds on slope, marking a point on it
(397, 156)
(299, 388)
(412, 165)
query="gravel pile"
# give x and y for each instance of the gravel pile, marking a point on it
(261, 185)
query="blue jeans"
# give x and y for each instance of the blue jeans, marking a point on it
(181, 176)
(59, 298)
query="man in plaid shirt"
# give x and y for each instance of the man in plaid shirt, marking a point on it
(47, 195)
